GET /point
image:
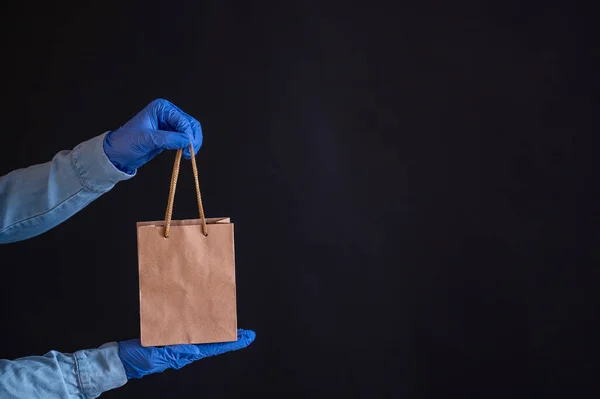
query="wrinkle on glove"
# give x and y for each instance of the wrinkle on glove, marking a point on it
(140, 361)
(160, 126)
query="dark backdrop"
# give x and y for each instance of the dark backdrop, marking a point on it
(413, 186)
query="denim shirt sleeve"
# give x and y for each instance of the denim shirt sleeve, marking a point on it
(35, 199)
(84, 374)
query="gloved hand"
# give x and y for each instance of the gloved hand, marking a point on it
(140, 361)
(160, 126)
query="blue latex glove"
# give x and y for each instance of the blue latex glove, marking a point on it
(140, 361)
(160, 126)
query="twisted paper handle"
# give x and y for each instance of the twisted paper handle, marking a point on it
(174, 177)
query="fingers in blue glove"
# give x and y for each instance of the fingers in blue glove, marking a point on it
(159, 126)
(140, 361)
(170, 118)
(182, 122)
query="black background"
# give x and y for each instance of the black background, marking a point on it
(413, 185)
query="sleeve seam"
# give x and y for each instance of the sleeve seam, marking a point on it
(74, 160)
(78, 377)
(42, 213)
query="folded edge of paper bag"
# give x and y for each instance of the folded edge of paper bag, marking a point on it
(188, 222)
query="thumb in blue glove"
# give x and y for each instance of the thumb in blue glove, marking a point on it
(140, 361)
(160, 126)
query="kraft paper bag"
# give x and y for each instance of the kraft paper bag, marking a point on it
(187, 277)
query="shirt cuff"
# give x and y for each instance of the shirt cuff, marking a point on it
(95, 170)
(100, 370)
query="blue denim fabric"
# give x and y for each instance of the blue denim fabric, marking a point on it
(32, 201)
(38, 198)
(84, 374)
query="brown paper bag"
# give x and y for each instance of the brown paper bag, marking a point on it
(187, 277)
